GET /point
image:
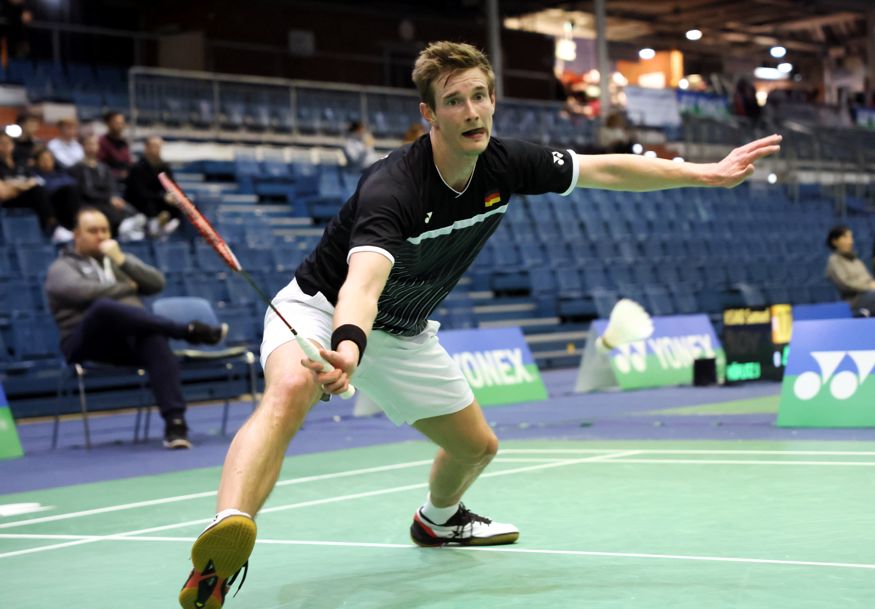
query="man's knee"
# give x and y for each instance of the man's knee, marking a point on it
(478, 451)
(102, 306)
(290, 394)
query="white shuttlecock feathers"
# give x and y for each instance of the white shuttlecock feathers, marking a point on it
(629, 322)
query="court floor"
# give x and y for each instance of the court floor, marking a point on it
(625, 524)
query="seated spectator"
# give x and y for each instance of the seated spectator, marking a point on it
(413, 133)
(59, 185)
(98, 188)
(359, 147)
(848, 273)
(20, 190)
(66, 147)
(27, 142)
(93, 291)
(114, 148)
(145, 192)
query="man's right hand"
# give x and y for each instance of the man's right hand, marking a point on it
(111, 248)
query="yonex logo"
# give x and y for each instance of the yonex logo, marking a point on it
(844, 384)
(428, 217)
(672, 352)
(631, 356)
(557, 158)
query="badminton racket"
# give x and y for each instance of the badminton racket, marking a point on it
(218, 244)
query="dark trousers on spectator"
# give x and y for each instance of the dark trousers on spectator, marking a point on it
(65, 204)
(37, 199)
(864, 305)
(115, 333)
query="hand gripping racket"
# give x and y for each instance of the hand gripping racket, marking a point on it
(225, 253)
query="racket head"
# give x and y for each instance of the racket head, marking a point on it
(200, 222)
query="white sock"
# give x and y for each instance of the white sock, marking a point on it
(225, 514)
(435, 514)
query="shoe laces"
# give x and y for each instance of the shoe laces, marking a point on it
(462, 518)
(230, 582)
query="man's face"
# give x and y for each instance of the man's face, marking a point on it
(45, 162)
(29, 126)
(116, 125)
(462, 117)
(152, 149)
(90, 232)
(90, 146)
(68, 130)
(6, 146)
(845, 243)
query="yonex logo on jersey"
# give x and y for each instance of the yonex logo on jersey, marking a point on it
(844, 384)
(557, 158)
(428, 217)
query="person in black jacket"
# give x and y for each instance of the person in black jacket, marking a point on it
(144, 190)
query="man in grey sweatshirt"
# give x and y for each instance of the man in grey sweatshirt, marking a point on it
(93, 290)
(848, 273)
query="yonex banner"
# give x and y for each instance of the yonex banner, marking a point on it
(497, 363)
(10, 447)
(828, 381)
(666, 358)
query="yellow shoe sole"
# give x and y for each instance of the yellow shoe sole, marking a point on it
(228, 545)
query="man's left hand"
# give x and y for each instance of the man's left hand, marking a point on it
(739, 164)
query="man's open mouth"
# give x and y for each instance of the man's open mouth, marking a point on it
(474, 132)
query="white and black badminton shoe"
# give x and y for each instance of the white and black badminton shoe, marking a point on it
(218, 555)
(465, 528)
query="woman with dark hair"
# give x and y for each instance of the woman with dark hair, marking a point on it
(59, 185)
(848, 273)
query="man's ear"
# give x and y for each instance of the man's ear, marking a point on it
(426, 113)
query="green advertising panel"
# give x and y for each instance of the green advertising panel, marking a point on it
(10, 447)
(497, 363)
(664, 359)
(829, 380)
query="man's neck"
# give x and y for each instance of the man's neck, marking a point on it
(455, 170)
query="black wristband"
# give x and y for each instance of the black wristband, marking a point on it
(350, 332)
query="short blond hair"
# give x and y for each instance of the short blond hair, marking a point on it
(445, 58)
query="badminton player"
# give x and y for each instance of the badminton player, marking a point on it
(393, 252)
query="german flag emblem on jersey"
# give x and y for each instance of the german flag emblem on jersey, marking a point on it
(492, 198)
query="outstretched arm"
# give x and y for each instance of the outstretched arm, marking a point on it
(637, 173)
(357, 306)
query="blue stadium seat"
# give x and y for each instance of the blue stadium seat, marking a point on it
(21, 228)
(34, 259)
(174, 256)
(659, 301)
(604, 301)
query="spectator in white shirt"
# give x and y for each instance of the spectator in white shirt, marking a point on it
(66, 147)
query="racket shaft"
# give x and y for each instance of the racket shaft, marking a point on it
(310, 351)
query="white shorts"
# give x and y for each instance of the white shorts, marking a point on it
(409, 377)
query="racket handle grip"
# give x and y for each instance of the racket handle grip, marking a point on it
(311, 352)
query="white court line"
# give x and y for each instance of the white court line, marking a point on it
(669, 451)
(498, 549)
(746, 462)
(163, 500)
(337, 499)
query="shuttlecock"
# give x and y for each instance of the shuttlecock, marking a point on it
(629, 322)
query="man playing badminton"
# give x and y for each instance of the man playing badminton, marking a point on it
(417, 220)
